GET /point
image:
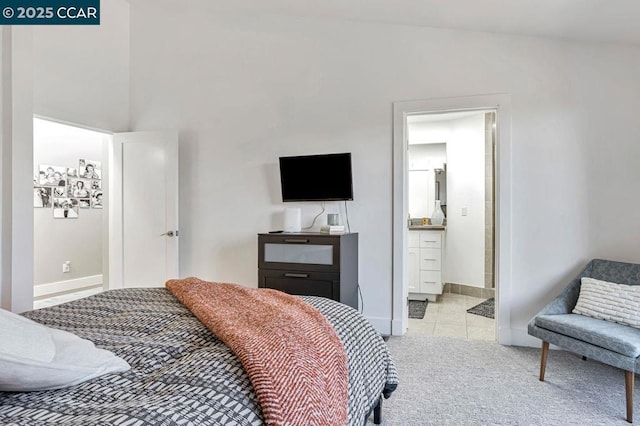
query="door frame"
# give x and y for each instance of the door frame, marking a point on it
(501, 103)
(116, 224)
(106, 177)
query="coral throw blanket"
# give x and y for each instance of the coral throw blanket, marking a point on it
(293, 357)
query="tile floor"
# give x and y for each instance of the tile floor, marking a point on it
(56, 300)
(448, 317)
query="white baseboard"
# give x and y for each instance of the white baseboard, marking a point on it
(525, 339)
(50, 289)
(383, 325)
(520, 337)
(396, 327)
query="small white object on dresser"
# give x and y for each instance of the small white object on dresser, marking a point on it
(332, 229)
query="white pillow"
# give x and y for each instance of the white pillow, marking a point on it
(18, 335)
(34, 357)
(609, 301)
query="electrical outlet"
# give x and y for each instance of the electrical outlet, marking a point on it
(66, 267)
(464, 211)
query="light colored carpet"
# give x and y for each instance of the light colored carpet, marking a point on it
(454, 381)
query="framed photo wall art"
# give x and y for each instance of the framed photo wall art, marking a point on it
(66, 190)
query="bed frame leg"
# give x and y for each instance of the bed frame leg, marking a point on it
(377, 412)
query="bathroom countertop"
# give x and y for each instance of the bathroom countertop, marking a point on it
(427, 228)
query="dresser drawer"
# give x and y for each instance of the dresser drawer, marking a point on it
(430, 259)
(431, 282)
(433, 288)
(430, 277)
(320, 284)
(430, 239)
(302, 252)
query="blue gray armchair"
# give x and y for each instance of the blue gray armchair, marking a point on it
(611, 343)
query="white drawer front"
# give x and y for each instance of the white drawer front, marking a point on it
(430, 259)
(413, 239)
(430, 239)
(431, 282)
(431, 288)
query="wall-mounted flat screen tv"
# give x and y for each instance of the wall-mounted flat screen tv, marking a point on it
(325, 177)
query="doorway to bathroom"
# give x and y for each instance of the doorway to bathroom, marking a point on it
(450, 241)
(452, 155)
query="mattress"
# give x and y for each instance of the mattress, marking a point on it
(181, 374)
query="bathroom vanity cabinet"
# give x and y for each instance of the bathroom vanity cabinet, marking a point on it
(425, 263)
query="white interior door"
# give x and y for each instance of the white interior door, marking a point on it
(148, 209)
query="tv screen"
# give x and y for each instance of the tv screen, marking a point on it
(324, 177)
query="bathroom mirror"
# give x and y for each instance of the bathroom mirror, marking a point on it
(427, 178)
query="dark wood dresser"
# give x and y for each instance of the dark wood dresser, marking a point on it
(310, 264)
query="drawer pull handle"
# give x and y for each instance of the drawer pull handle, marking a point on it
(432, 259)
(429, 282)
(291, 275)
(296, 240)
(430, 241)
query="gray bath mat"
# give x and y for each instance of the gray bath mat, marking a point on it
(485, 309)
(417, 308)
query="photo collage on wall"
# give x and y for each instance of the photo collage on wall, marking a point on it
(68, 189)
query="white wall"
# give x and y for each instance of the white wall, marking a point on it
(81, 73)
(465, 190)
(16, 232)
(312, 86)
(59, 240)
(423, 156)
(75, 74)
(5, 197)
(427, 132)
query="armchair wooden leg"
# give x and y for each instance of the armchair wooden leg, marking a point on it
(629, 377)
(543, 360)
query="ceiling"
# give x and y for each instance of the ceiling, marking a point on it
(609, 21)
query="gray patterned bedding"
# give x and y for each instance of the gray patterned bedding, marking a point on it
(181, 374)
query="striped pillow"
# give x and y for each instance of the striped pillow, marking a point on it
(609, 301)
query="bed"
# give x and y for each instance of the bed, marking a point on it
(180, 372)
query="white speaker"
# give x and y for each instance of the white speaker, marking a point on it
(292, 221)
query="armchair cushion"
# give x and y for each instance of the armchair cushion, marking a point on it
(615, 337)
(609, 301)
